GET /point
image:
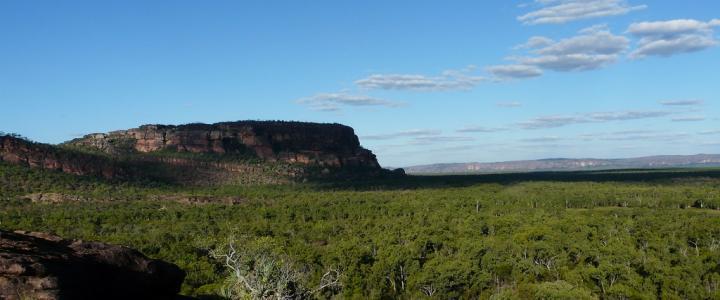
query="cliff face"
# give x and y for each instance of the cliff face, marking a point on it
(328, 145)
(18, 151)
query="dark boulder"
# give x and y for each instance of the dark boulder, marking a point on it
(42, 266)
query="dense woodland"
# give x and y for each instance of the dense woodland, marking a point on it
(582, 235)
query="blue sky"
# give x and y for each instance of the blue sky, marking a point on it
(420, 81)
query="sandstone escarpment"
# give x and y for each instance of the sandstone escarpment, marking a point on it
(42, 266)
(22, 152)
(327, 145)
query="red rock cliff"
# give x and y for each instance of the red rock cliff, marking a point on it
(331, 145)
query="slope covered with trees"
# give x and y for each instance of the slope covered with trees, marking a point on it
(603, 235)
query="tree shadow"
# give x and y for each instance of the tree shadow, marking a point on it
(394, 182)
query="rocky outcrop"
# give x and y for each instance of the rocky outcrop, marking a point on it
(327, 145)
(42, 266)
(53, 198)
(187, 199)
(19, 151)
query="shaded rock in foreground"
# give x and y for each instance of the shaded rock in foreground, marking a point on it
(42, 266)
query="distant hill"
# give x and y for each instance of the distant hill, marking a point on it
(567, 164)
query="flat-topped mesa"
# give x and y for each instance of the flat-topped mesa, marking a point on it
(328, 145)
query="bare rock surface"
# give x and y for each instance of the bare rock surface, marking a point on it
(331, 145)
(42, 266)
(53, 198)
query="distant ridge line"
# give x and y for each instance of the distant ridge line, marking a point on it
(569, 164)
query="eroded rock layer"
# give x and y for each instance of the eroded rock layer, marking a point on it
(329, 145)
(18, 151)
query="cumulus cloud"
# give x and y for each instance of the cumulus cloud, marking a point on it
(402, 134)
(691, 102)
(535, 42)
(592, 48)
(334, 101)
(570, 62)
(448, 80)
(592, 40)
(563, 11)
(514, 71)
(667, 38)
(594, 117)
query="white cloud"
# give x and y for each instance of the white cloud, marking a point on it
(671, 28)
(570, 62)
(544, 139)
(614, 134)
(690, 102)
(448, 80)
(592, 40)
(669, 47)
(429, 140)
(509, 104)
(563, 11)
(592, 48)
(418, 137)
(593, 117)
(709, 132)
(550, 122)
(481, 129)
(666, 38)
(663, 136)
(401, 134)
(689, 119)
(334, 101)
(514, 71)
(625, 115)
(535, 42)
